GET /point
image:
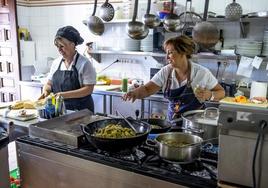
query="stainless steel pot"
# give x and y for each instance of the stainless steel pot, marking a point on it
(179, 154)
(203, 123)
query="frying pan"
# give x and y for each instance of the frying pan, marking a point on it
(116, 144)
(165, 125)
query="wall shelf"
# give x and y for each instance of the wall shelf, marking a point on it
(163, 55)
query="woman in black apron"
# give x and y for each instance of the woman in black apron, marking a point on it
(66, 73)
(180, 80)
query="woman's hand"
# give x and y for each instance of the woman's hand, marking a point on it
(202, 94)
(44, 95)
(130, 96)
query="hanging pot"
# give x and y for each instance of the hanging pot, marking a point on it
(205, 34)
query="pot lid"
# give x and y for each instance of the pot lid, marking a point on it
(208, 116)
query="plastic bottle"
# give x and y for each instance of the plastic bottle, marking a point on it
(49, 108)
(124, 84)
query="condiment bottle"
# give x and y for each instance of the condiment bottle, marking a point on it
(49, 108)
(124, 84)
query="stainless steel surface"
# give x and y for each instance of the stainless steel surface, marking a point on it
(205, 34)
(261, 14)
(94, 23)
(150, 20)
(4, 168)
(107, 11)
(172, 21)
(237, 141)
(179, 154)
(136, 30)
(65, 129)
(38, 165)
(196, 122)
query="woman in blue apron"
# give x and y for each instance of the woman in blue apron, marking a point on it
(71, 76)
(186, 85)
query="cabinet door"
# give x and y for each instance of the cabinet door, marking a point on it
(9, 64)
(30, 92)
(99, 103)
(126, 108)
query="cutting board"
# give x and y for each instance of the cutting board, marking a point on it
(230, 100)
(107, 87)
(14, 114)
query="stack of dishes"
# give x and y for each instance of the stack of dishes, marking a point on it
(249, 47)
(265, 43)
(131, 45)
(147, 44)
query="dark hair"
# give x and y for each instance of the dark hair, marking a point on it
(69, 33)
(182, 44)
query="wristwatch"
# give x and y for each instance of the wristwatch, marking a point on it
(212, 96)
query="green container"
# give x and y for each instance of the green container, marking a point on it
(124, 84)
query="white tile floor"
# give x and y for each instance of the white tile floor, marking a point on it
(12, 157)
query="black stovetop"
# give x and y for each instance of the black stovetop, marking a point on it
(144, 160)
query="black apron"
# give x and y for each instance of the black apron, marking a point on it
(180, 100)
(69, 80)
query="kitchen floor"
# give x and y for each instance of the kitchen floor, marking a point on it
(12, 157)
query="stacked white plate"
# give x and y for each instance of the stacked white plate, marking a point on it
(131, 45)
(265, 44)
(249, 47)
(147, 44)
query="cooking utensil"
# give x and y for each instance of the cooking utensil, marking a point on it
(205, 34)
(233, 11)
(128, 122)
(136, 30)
(178, 154)
(107, 11)
(151, 20)
(172, 21)
(113, 144)
(163, 125)
(94, 23)
(203, 123)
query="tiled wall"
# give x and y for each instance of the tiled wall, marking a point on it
(43, 23)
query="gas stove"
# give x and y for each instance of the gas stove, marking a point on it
(143, 160)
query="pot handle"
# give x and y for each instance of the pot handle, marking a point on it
(206, 112)
(151, 143)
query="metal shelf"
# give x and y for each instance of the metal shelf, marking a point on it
(153, 54)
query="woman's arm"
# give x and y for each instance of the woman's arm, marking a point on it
(78, 93)
(142, 92)
(215, 94)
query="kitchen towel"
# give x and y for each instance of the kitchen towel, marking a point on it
(258, 89)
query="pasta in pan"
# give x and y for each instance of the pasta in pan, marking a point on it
(114, 131)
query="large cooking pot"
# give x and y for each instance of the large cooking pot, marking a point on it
(158, 125)
(185, 154)
(116, 144)
(203, 123)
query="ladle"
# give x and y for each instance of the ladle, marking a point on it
(151, 20)
(136, 30)
(94, 23)
(131, 126)
(107, 11)
(172, 21)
